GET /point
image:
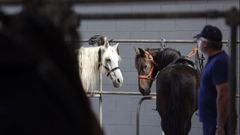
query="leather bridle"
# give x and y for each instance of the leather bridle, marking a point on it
(109, 71)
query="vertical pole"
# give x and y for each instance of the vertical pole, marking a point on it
(238, 57)
(100, 95)
(100, 102)
(232, 80)
(138, 112)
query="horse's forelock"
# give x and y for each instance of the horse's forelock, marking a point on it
(110, 52)
(139, 59)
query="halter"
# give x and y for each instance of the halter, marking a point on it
(109, 71)
(150, 74)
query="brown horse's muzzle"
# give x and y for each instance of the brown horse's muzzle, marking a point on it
(144, 92)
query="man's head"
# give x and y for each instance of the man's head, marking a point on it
(210, 37)
(211, 33)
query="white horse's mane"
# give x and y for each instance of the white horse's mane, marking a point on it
(88, 63)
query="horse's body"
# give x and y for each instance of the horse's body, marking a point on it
(41, 91)
(176, 85)
(92, 59)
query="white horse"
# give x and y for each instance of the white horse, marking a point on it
(92, 59)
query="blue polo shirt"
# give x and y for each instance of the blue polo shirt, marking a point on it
(215, 72)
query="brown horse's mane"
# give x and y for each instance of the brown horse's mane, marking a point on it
(164, 56)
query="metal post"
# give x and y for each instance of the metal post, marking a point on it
(138, 111)
(232, 80)
(100, 96)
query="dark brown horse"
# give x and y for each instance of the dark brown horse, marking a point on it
(176, 86)
(40, 91)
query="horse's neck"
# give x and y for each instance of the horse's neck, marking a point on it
(88, 63)
(89, 56)
(162, 59)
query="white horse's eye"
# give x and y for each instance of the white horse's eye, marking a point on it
(108, 60)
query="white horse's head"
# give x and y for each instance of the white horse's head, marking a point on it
(110, 62)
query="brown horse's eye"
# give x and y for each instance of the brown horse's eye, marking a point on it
(144, 67)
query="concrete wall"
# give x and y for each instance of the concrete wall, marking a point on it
(119, 112)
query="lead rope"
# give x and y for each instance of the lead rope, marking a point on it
(193, 52)
(198, 61)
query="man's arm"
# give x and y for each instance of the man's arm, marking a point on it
(222, 105)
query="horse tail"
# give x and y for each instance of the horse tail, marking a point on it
(178, 117)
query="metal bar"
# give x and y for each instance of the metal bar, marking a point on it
(123, 93)
(117, 93)
(152, 41)
(100, 95)
(232, 80)
(238, 74)
(138, 111)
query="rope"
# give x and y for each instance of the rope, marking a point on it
(193, 52)
(199, 62)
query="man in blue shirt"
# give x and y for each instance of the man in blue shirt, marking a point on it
(213, 96)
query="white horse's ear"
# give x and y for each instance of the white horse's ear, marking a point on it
(115, 46)
(106, 43)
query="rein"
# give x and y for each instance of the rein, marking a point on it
(153, 64)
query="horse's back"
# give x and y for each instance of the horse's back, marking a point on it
(179, 80)
(177, 97)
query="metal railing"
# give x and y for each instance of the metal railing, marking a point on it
(152, 96)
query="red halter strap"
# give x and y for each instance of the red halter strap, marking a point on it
(149, 76)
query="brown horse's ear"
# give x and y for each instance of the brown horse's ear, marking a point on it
(141, 51)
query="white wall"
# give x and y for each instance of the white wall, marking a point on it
(119, 113)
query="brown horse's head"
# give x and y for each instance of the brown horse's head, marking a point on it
(149, 62)
(147, 70)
